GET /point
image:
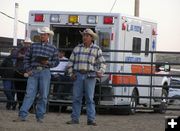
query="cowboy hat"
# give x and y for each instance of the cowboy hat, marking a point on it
(27, 40)
(90, 32)
(45, 30)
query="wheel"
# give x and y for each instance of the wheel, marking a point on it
(163, 106)
(133, 103)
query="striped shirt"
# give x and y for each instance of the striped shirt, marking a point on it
(88, 59)
(43, 50)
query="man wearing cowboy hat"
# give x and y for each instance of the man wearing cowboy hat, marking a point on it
(37, 62)
(27, 42)
(20, 86)
(85, 64)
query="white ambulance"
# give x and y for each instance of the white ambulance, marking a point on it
(117, 32)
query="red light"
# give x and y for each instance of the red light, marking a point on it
(112, 36)
(124, 26)
(39, 18)
(124, 18)
(154, 32)
(108, 20)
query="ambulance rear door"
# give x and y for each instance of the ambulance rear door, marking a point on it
(105, 42)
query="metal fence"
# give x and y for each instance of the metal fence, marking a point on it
(163, 58)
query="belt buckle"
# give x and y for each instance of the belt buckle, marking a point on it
(39, 68)
(83, 71)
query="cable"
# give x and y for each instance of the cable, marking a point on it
(12, 17)
(113, 5)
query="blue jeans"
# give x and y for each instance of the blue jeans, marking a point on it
(37, 85)
(83, 85)
(8, 87)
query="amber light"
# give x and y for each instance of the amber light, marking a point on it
(73, 19)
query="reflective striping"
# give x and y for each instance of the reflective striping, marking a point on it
(136, 68)
(144, 69)
(149, 70)
(124, 79)
(132, 79)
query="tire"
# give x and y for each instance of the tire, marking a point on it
(163, 106)
(133, 103)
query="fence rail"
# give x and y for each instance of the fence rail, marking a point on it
(173, 76)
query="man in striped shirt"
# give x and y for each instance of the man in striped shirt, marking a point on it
(85, 64)
(38, 60)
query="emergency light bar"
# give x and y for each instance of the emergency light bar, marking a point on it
(39, 18)
(55, 18)
(73, 19)
(108, 20)
(91, 19)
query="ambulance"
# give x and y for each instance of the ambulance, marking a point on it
(127, 42)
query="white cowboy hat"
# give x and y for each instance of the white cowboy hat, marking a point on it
(45, 30)
(90, 32)
(27, 40)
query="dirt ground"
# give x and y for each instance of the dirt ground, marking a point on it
(141, 121)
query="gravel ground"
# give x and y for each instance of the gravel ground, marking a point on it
(141, 121)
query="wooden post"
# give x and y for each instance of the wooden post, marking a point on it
(136, 8)
(15, 24)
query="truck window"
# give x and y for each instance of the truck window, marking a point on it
(136, 45)
(147, 47)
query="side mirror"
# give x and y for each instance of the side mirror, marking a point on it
(167, 67)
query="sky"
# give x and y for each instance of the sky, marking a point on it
(164, 12)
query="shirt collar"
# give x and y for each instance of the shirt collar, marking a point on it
(90, 45)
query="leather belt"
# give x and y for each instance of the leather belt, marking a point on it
(39, 68)
(84, 71)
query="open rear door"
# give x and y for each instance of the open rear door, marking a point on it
(104, 41)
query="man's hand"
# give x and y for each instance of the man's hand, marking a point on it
(99, 74)
(27, 74)
(44, 62)
(73, 76)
